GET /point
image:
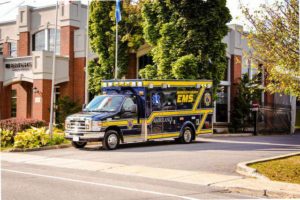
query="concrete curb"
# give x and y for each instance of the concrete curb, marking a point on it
(61, 146)
(243, 169)
(264, 193)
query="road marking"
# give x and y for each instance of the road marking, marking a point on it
(101, 184)
(245, 142)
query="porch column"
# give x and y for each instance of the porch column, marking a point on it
(236, 74)
(5, 101)
(41, 99)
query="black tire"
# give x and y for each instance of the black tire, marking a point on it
(187, 135)
(111, 140)
(79, 145)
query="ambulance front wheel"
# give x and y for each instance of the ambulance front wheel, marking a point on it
(111, 140)
(79, 145)
(187, 135)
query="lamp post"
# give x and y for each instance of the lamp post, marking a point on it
(53, 76)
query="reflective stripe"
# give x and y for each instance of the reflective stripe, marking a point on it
(199, 97)
(177, 113)
(202, 122)
(162, 135)
(204, 131)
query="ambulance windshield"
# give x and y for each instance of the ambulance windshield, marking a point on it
(105, 103)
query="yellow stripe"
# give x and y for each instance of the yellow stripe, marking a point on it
(177, 113)
(158, 114)
(202, 122)
(177, 83)
(204, 131)
(162, 135)
(119, 123)
(198, 98)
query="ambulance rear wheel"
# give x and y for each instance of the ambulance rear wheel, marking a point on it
(187, 135)
(111, 140)
(79, 145)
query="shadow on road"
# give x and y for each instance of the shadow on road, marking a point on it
(263, 143)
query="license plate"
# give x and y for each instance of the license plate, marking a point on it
(75, 138)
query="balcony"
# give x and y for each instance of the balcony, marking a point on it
(37, 66)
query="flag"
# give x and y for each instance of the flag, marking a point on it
(118, 11)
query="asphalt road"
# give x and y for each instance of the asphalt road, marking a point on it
(216, 155)
(29, 182)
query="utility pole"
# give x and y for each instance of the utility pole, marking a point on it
(116, 61)
(53, 76)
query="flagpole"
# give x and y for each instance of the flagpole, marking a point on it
(86, 95)
(116, 62)
(53, 75)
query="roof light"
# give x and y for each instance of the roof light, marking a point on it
(140, 84)
(164, 86)
(133, 84)
(150, 85)
(110, 84)
(104, 84)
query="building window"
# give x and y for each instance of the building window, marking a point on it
(222, 104)
(13, 103)
(44, 40)
(143, 61)
(38, 41)
(51, 40)
(1, 49)
(13, 49)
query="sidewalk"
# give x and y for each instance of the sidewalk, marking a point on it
(233, 183)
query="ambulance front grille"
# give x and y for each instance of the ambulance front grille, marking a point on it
(77, 125)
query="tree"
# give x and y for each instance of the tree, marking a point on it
(248, 92)
(274, 37)
(102, 29)
(189, 33)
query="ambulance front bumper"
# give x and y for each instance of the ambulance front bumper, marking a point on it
(84, 136)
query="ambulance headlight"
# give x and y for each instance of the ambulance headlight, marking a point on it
(96, 126)
(88, 124)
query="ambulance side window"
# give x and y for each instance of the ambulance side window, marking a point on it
(126, 108)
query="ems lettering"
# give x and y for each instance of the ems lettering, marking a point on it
(185, 98)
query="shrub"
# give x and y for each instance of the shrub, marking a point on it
(38, 137)
(185, 67)
(149, 72)
(32, 138)
(7, 137)
(16, 125)
(58, 137)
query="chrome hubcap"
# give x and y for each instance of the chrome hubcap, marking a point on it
(187, 135)
(112, 141)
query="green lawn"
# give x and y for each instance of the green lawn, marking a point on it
(285, 169)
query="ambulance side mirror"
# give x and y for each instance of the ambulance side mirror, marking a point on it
(83, 106)
(134, 108)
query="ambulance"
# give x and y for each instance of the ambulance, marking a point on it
(142, 110)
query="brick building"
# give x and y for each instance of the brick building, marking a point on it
(26, 50)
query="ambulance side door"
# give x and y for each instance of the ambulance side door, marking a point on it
(133, 128)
